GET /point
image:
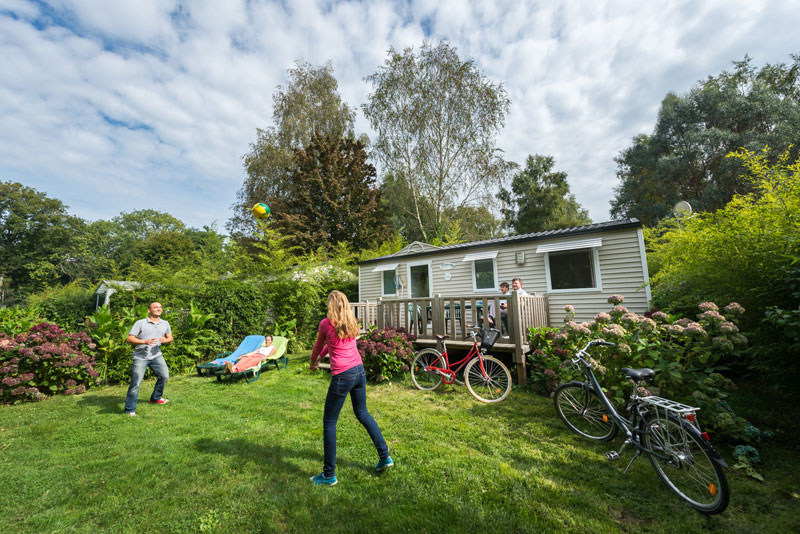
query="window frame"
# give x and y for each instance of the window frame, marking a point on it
(495, 288)
(383, 283)
(429, 264)
(595, 267)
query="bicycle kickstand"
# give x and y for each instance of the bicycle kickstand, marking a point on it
(635, 456)
(613, 456)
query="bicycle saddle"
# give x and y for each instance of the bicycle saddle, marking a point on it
(441, 337)
(638, 374)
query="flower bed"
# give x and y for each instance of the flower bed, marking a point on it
(689, 357)
(386, 352)
(44, 361)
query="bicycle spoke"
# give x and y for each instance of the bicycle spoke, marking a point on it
(688, 469)
(583, 412)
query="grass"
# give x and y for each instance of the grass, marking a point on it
(237, 458)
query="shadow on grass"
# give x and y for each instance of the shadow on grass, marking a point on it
(104, 403)
(280, 459)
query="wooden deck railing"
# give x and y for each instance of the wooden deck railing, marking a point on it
(366, 314)
(455, 315)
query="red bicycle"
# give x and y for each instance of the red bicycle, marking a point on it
(487, 379)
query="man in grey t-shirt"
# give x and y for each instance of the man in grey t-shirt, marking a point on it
(147, 335)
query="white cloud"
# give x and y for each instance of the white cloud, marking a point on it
(115, 106)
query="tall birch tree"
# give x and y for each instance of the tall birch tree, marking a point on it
(437, 118)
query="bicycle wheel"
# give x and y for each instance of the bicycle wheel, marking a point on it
(493, 385)
(689, 470)
(427, 380)
(583, 412)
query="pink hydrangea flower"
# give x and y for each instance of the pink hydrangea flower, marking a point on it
(613, 330)
(616, 299)
(647, 325)
(659, 317)
(734, 308)
(602, 317)
(722, 343)
(728, 327)
(708, 306)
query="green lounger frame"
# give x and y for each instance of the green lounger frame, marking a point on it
(278, 359)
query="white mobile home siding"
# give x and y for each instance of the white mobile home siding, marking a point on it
(622, 271)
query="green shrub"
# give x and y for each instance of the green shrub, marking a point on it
(109, 329)
(66, 305)
(741, 252)
(240, 309)
(546, 361)
(15, 320)
(688, 357)
(44, 361)
(780, 333)
(193, 341)
(386, 352)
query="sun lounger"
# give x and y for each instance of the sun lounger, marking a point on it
(249, 344)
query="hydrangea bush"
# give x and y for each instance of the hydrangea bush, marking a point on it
(44, 361)
(687, 355)
(386, 352)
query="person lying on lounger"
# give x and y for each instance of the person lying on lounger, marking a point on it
(251, 359)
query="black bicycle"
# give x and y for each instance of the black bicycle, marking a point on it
(665, 430)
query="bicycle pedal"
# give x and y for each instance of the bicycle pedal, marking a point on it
(612, 456)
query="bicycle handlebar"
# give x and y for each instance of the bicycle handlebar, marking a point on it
(579, 355)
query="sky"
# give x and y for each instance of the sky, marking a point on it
(116, 106)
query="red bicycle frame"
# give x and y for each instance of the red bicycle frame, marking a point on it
(447, 373)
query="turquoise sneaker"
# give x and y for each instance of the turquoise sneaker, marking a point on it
(322, 480)
(384, 464)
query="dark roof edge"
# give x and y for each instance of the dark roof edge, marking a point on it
(538, 236)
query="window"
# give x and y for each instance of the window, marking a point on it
(573, 270)
(484, 278)
(388, 278)
(419, 279)
(484, 270)
(389, 283)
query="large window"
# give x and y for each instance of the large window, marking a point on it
(573, 270)
(484, 275)
(389, 283)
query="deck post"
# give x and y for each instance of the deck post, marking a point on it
(436, 320)
(515, 327)
(380, 313)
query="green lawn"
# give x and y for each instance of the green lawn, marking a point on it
(237, 458)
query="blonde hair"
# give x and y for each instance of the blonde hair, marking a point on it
(341, 315)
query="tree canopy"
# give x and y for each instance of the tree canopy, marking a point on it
(436, 118)
(331, 197)
(308, 105)
(539, 199)
(684, 157)
(36, 238)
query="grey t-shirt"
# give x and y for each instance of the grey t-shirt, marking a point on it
(145, 329)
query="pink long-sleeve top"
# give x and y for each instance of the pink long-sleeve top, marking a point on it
(343, 352)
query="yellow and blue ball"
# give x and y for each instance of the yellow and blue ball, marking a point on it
(261, 211)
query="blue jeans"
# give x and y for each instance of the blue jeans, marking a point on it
(354, 382)
(159, 367)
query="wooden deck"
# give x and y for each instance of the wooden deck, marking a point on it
(455, 316)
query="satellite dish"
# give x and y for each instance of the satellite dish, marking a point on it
(682, 208)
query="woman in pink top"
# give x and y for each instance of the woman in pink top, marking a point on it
(337, 334)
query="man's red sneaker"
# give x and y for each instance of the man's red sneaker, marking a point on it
(159, 401)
